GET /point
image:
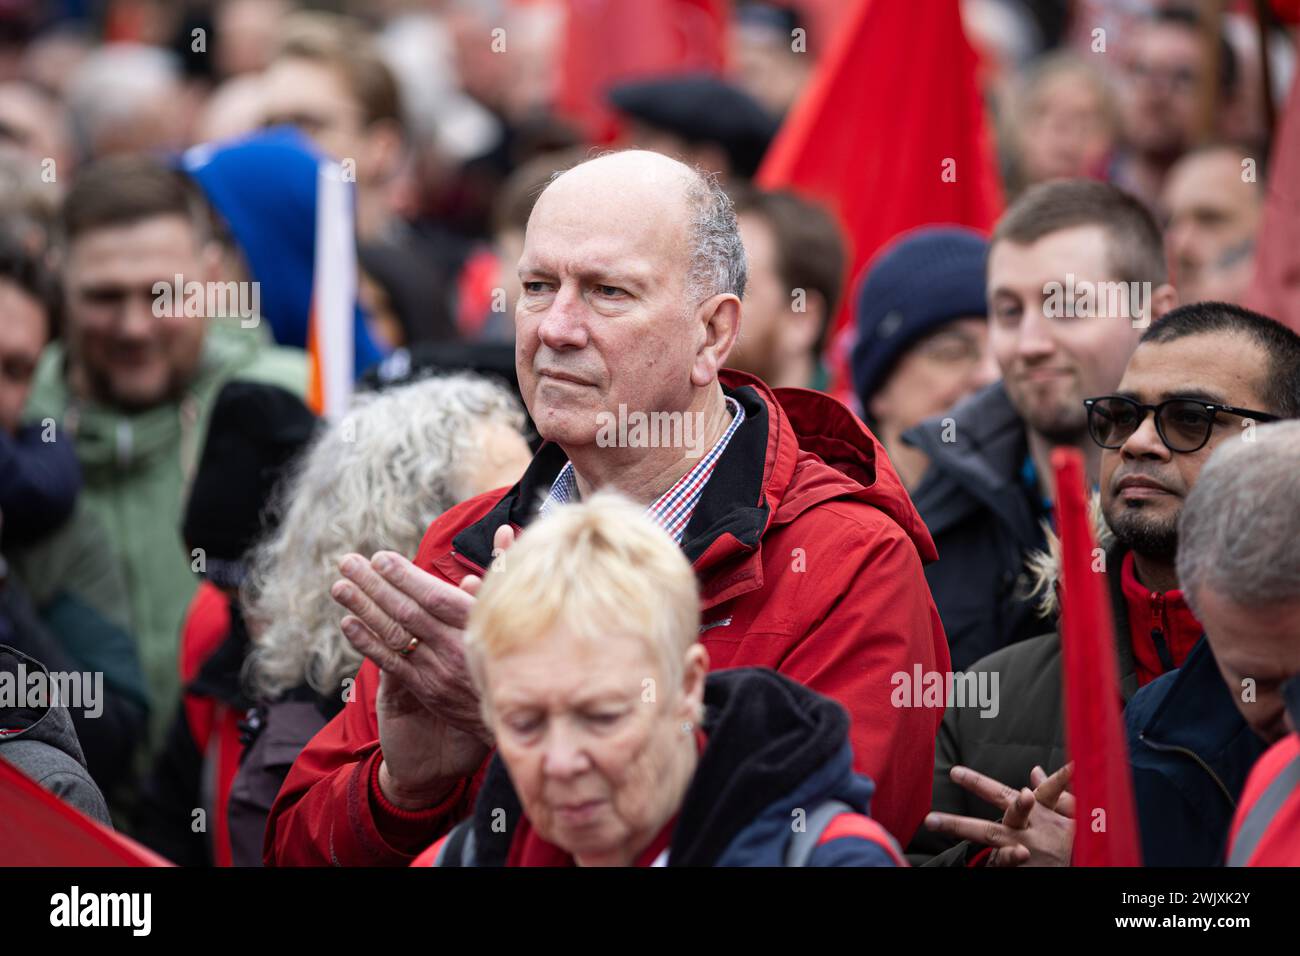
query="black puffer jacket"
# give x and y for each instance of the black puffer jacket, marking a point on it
(983, 523)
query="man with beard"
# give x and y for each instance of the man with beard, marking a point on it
(1203, 375)
(1075, 272)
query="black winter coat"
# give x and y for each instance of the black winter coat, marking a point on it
(983, 522)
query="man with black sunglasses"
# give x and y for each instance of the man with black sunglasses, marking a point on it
(1202, 375)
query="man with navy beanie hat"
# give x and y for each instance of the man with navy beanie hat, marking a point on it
(922, 340)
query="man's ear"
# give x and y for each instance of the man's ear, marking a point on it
(1164, 299)
(719, 315)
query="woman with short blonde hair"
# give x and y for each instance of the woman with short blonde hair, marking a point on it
(613, 748)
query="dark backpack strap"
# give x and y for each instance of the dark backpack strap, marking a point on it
(458, 850)
(802, 842)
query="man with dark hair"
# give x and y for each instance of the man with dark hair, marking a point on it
(1076, 271)
(1203, 377)
(328, 79)
(796, 267)
(132, 383)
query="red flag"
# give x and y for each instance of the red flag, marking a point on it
(1275, 290)
(607, 42)
(1105, 832)
(890, 134)
(39, 829)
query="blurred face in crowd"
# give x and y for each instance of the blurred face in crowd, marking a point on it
(315, 98)
(1051, 364)
(248, 30)
(603, 318)
(32, 125)
(1214, 213)
(598, 768)
(1256, 643)
(1160, 89)
(23, 334)
(123, 353)
(774, 334)
(766, 66)
(1143, 483)
(934, 375)
(1064, 131)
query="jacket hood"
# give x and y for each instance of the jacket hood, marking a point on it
(49, 725)
(773, 748)
(768, 475)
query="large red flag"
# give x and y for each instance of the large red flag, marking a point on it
(1275, 290)
(607, 42)
(890, 134)
(39, 829)
(1105, 831)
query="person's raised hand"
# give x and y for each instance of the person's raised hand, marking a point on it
(411, 624)
(1029, 834)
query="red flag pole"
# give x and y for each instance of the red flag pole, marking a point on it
(1105, 832)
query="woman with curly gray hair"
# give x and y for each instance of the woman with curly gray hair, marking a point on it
(373, 481)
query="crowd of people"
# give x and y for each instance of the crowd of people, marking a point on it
(487, 615)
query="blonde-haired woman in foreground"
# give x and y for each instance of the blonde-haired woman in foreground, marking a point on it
(613, 746)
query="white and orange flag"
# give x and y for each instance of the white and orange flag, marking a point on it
(331, 326)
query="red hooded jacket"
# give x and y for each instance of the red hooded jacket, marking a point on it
(809, 555)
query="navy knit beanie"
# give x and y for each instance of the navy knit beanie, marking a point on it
(922, 280)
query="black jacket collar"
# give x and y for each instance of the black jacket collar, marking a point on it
(733, 501)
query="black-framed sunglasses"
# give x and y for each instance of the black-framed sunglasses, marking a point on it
(1183, 424)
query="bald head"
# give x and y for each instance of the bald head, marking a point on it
(685, 207)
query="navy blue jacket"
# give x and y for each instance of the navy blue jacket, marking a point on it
(39, 483)
(1191, 751)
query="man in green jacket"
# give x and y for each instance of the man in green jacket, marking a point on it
(133, 381)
